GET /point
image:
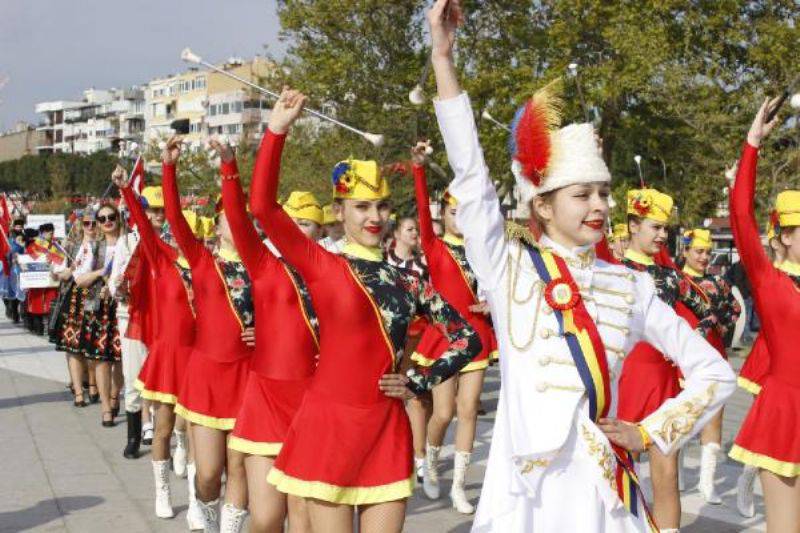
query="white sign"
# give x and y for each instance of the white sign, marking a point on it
(34, 273)
(58, 221)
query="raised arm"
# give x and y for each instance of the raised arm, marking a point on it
(245, 236)
(479, 216)
(426, 234)
(305, 255)
(744, 225)
(147, 236)
(192, 248)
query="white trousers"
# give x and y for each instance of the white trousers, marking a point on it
(133, 355)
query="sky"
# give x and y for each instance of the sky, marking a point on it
(54, 49)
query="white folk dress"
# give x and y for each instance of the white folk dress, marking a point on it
(550, 468)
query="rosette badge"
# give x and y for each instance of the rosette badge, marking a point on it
(562, 294)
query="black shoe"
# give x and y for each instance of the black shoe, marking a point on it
(94, 398)
(108, 423)
(134, 421)
(79, 401)
(115, 407)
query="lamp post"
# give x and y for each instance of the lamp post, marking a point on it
(638, 160)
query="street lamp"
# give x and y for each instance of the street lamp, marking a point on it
(638, 160)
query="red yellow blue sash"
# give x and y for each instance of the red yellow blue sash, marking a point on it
(589, 355)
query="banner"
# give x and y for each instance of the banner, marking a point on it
(34, 273)
(58, 221)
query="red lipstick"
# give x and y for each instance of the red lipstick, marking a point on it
(594, 224)
(375, 230)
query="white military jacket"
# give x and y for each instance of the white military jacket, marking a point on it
(541, 390)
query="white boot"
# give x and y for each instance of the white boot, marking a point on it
(232, 519)
(744, 491)
(179, 455)
(457, 495)
(669, 530)
(210, 515)
(147, 434)
(419, 468)
(163, 503)
(708, 468)
(430, 479)
(681, 483)
(194, 516)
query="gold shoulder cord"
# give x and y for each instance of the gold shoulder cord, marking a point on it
(513, 279)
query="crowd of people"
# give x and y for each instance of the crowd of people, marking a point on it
(308, 359)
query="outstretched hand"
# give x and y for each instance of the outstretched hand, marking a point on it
(172, 150)
(444, 19)
(419, 153)
(286, 110)
(223, 149)
(119, 177)
(760, 128)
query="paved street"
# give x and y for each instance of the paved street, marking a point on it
(63, 472)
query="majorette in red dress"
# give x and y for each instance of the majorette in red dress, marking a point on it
(453, 278)
(768, 437)
(215, 378)
(286, 330)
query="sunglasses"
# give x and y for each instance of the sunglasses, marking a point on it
(89, 223)
(106, 218)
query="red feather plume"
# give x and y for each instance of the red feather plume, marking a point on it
(542, 115)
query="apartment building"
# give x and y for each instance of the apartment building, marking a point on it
(20, 141)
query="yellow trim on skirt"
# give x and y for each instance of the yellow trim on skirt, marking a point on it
(758, 460)
(399, 490)
(421, 360)
(267, 449)
(750, 386)
(223, 424)
(155, 396)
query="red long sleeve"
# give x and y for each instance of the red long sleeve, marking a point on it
(147, 237)
(192, 248)
(309, 258)
(743, 219)
(426, 234)
(245, 236)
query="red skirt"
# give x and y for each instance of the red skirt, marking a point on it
(755, 368)
(212, 391)
(433, 344)
(346, 454)
(40, 300)
(267, 411)
(162, 373)
(648, 379)
(769, 437)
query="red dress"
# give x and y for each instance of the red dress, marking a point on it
(349, 443)
(170, 344)
(755, 367)
(769, 436)
(286, 333)
(214, 381)
(39, 300)
(453, 278)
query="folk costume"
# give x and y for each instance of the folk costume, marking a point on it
(349, 443)
(564, 320)
(39, 301)
(650, 377)
(768, 437)
(219, 363)
(287, 337)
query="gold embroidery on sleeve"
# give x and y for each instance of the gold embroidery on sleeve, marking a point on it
(679, 420)
(601, 454)
(528, 466)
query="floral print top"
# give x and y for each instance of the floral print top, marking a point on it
(672, 287)
(400, 295)
(459, 253)
(237, 283)
(305, 298)
(725, 309)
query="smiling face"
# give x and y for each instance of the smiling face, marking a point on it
(697, 258)
(647, 236)
(108, 220)
(364, 221)
(574, 215)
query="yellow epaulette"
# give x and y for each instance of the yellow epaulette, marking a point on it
(518, 232)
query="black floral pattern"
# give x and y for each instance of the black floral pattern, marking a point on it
(459, 253)
(725, 309)
(672, 287)
(185, 272)
(305, 298)
(239, 288)
(400, 296)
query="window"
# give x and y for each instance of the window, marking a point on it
(200, 82)
(237, 107)
(212, 110)
(225, 109)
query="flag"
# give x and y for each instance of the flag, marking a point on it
(5, 248)
(5, 214)
(137, 176)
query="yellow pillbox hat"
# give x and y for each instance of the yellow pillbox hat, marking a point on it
(207, 225)
(698, 238)
(328, 216)
(303, 205)
(194, 222)
(153, 197)
(620, 231)
(787, 205)
(359, 180)
(649, 203)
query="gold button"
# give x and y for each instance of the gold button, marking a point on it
(541, 386)
(545, 333)
(631, 277)
(630, 299)
(544, 361)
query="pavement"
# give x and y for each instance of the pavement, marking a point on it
(61, 471)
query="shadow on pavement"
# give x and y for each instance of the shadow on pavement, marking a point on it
(45, 397)
(45, 511)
